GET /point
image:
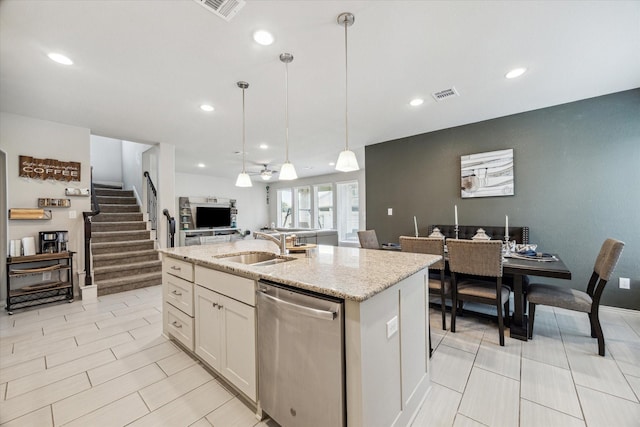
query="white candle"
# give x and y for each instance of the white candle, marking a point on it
(415, 225)
(506, 225)
(456, 213)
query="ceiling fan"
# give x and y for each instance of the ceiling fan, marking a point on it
(265, 173)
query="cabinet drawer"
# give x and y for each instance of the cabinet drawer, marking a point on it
(178, 268)
(235, 287)
(178, 292)
(179, 326)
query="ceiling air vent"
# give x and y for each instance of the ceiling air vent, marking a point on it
(444, 94)
(225, 9)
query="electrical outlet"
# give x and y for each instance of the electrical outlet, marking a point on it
(72, 215)
(625, 283)
(392, 327)
(390, 211)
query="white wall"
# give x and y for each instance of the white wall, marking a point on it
(106, 159)
(167, 194)
(21, 135)
(4, 250)
(251, 202)
(132, 166)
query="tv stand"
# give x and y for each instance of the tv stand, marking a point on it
(205, 235)
(188, 205)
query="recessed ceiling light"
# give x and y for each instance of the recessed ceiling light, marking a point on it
(263, 37)
(201, 165)
(516, 72)
(263, 146)
(332, 164)
(206, 107)
(60, 59)
(415, 102)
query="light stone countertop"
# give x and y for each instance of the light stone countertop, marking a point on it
(349, 273)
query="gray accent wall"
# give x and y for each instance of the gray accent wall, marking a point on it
(577, 182)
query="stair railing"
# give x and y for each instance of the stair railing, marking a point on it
(171, 228)
(152, 202)
(88, 216)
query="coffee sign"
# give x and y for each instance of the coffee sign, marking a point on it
(30, 167)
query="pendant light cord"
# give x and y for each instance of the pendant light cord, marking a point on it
(286, 118)
(346, 87)
(243, 133)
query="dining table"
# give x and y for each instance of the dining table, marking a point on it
(518, 268)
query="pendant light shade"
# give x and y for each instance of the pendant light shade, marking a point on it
(347, 161)
(243, 177)
(288, 171)
(244, 180)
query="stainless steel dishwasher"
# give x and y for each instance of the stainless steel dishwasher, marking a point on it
(301, 357)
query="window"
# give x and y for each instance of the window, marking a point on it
(348, 211)
(285, 204)
(303, 207)
(322, 206)
(323, 213)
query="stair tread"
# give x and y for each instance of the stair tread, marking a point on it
(117, 232)
(128, 266)
(119, 244)
(126, 254)
(117, 222)
(131, 278)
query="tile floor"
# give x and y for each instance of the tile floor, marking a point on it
(105, 363)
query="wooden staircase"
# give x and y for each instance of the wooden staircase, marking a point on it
(124, 255)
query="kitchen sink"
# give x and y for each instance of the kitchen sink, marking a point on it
(255, 258)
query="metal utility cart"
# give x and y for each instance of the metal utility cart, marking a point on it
(39, 279)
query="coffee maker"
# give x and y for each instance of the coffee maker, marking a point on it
(53, 241)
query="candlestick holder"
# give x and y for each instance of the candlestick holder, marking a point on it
(456, 230)
(507, 246)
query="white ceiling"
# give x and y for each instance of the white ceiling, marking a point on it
(143, 68)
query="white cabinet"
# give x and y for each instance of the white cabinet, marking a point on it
(225, 328)
(208, 321)
(179, 326)
(177, 285)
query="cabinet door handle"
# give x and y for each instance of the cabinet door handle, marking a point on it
(220, 306)
(176, 293)
(173, 267)
(215, 304)
(176, 324)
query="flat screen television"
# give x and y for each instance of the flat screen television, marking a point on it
(211, 217)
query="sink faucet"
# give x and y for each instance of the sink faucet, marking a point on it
(282, 243)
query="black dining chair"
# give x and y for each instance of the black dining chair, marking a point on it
(439, 283)
(476, 276)
(573, 299)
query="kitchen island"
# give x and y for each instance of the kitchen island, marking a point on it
(385, 318)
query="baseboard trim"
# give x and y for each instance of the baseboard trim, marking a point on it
(619, 310)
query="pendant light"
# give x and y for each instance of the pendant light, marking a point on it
(347, 161)
(243, 177)
(287, 172)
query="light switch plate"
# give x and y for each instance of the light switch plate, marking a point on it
(389, 211)
(392, 326)
(625, 283)
(72, 215)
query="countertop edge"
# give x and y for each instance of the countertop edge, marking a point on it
(252, 273)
